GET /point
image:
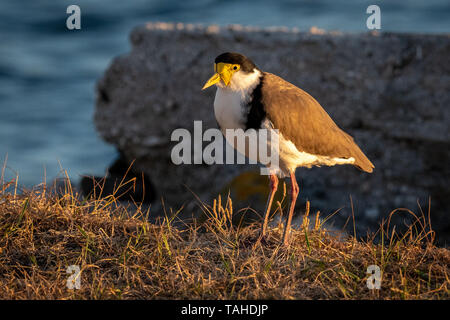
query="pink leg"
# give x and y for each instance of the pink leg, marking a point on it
(294, 193)
(273, 188)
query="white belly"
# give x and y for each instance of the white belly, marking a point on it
(229, 112)
(291, 158)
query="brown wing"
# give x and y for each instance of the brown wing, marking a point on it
(301, 119)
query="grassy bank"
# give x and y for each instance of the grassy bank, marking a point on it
(121, 256)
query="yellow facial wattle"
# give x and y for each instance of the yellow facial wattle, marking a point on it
(224, 72)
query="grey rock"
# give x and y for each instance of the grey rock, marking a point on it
(389, 91)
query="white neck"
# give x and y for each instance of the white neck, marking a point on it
(242, 81)
(230, 102)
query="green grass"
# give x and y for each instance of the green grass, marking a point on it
(122, 256)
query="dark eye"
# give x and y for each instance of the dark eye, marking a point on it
(235, 68)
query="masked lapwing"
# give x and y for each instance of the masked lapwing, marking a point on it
(249, 98)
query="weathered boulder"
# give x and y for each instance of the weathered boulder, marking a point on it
(389, 91)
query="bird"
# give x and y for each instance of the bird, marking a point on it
(249, 98)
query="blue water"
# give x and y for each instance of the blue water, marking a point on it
(48, 73)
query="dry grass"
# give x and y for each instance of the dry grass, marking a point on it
(122, 256)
